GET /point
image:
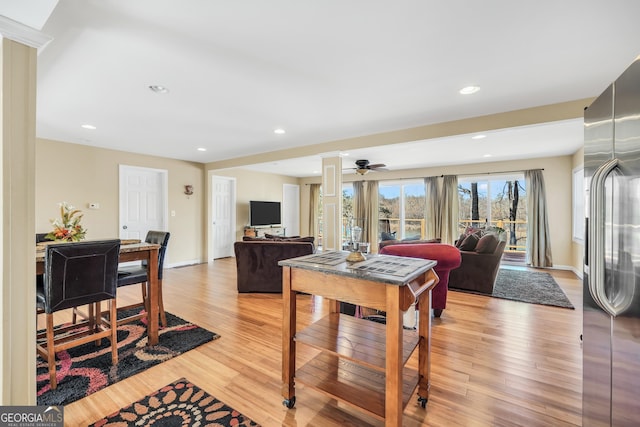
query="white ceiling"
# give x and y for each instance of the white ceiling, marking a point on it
(324, 71)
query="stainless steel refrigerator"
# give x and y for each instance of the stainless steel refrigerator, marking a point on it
(611, 315)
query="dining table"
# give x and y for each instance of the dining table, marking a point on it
(130, 250)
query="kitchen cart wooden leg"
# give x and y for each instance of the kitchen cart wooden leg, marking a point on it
(288, 344)
(424, 348)
(393, 373)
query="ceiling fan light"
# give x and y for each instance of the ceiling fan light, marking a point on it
(362, 171)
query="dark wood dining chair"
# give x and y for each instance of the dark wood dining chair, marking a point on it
(77, 274)
(138, 274)
(41, 237)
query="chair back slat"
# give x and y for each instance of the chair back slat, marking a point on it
(159, 238)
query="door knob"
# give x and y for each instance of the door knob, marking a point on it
(124, 227)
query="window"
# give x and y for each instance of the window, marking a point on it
(347, 210)
(402, 207)
(498, 201)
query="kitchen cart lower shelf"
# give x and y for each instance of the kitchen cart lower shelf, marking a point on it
(353, 383)
(360, 340)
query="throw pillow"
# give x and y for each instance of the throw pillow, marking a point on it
(460, 240)
(388, 236)
(487, 244)
(474, 230)
(469, 243)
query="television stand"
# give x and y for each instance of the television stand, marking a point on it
(261, 231)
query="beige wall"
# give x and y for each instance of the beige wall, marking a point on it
(558, 181)
(94, 178)
(252, 185)
(81, 174)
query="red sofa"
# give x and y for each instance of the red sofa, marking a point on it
(447, 257)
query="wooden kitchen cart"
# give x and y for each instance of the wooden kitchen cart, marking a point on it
(360, 362)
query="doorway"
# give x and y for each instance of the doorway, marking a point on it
(143, 201)
(291, 209)
(223, 216)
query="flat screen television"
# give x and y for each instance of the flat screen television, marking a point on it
(264, 213)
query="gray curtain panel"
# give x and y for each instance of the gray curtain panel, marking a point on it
(432, 208)
(538, 239)
(372, 209)
(449, 209)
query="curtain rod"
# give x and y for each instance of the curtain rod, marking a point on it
(461, 174)
(493, 173)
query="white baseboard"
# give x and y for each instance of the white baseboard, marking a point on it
(555, 267)
(568, 267)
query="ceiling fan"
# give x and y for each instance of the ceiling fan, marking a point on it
(363, 167)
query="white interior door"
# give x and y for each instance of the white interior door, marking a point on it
(291, 209)
(143, 201)
(224, 215)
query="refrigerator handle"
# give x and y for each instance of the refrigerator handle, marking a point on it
(595, 243)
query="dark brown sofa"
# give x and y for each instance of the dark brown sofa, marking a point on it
(257, 261)
(478, 269)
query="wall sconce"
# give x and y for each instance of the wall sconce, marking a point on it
(188, 190)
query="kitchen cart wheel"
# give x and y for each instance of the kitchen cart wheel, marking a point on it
(422, 401)
(289, 403)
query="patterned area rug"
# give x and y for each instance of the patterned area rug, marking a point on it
(178, 404)
(527, 286)
(87, 368)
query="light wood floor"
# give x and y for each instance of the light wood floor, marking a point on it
(495, 362)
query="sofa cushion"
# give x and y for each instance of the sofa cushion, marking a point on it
(384, 243)
(277, 237)
(487, 244)
(469, 243)
(309, 239)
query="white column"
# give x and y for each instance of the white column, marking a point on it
(17, 260)
(332, 203)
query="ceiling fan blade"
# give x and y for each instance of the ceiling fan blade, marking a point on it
(377, 166)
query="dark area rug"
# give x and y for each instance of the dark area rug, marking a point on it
(528, 286)
(178, 404)
(87, 368)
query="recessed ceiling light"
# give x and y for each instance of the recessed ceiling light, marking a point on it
(159, 89)
(487, 155)
(344, 154)
(87, 126)
(469, 90)
(478, 136)
(279, 131)
(202, 149)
